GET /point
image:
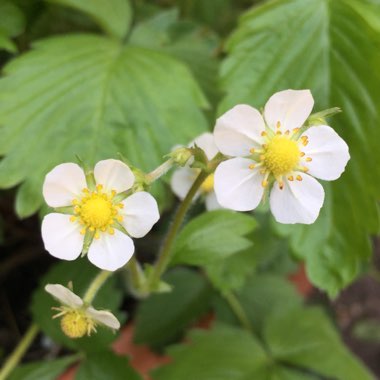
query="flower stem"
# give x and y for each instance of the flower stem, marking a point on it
(164, 255)
(18, 353)
(159, 171)
(238, 310)
(95, 285)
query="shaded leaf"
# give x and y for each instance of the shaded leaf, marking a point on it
(114, 16)
(163, 317)
(106, 365)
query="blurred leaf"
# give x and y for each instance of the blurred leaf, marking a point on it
(213, 236)
(12, 23)
(44, 370)
(262, 296)
(106, 365)
(306, 338)
(331, 47)
(91, 96)
(224, 353)
(162, 318)
(114, 16)
(81, 273)
(185, 40)
(368, 330)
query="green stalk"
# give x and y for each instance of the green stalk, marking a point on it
(95, 285)
(19, 352)
(164, 255)
(238, 310)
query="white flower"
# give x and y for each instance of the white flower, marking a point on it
(270, 149)
(79, 319)
(100, 216)
(183, 178)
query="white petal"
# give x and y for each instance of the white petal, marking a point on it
(140, 214)
(111, 252)
(328, 151)
(62, 238)
(290, 107)
(63, 184)
(103, 317)
(236, 186)
(239, 130)
(64, 295)
(182, 180)
(114, 175)
(207, 143)
(298, 201)
(212, 202)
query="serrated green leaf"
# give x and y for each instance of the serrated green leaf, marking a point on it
(81, 273)
(213, 236)
(194, 45)
(189, 299)
(306, 338)
(106, 365)
(44, 370)
(224, 353)
(331, 47)
(113, 16)
(90, 96)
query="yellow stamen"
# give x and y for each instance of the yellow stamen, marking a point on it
(291, 178)
(299, 178)
(309, 159)
(252, 166)
(252, 150)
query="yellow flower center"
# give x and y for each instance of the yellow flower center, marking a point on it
(208, 184)
(281, 155)
(75, 324)
(96, 211)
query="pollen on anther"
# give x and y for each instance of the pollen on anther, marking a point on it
(252, 150)
(299, 178)
(309, 159)
(97, 235)
(83, 231)
(291, 178)
(85, 190)
(263, 133)
(252, 166)
(295, 130)
(281, 185)
(278, 124)
(73, 218)
(302, 154)
(264, 183)
(278, 133)
(99, 187)
(111, 231)
(287, 132)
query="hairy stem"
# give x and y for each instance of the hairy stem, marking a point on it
(164, 255)
(95, 285)
(238, 310)
(19, 352)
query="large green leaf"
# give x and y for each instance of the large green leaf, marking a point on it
(106, 365)
(306, 338)
(90, 96)
(12, 23)
(188, 300)
(44, 370)
(331, 47)
(225, 353)
(114, 16)
(212, 237)
(81, 273)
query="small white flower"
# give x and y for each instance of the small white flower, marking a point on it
(79, 319)
(183, 178)
(270, 149)
(101, 214)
